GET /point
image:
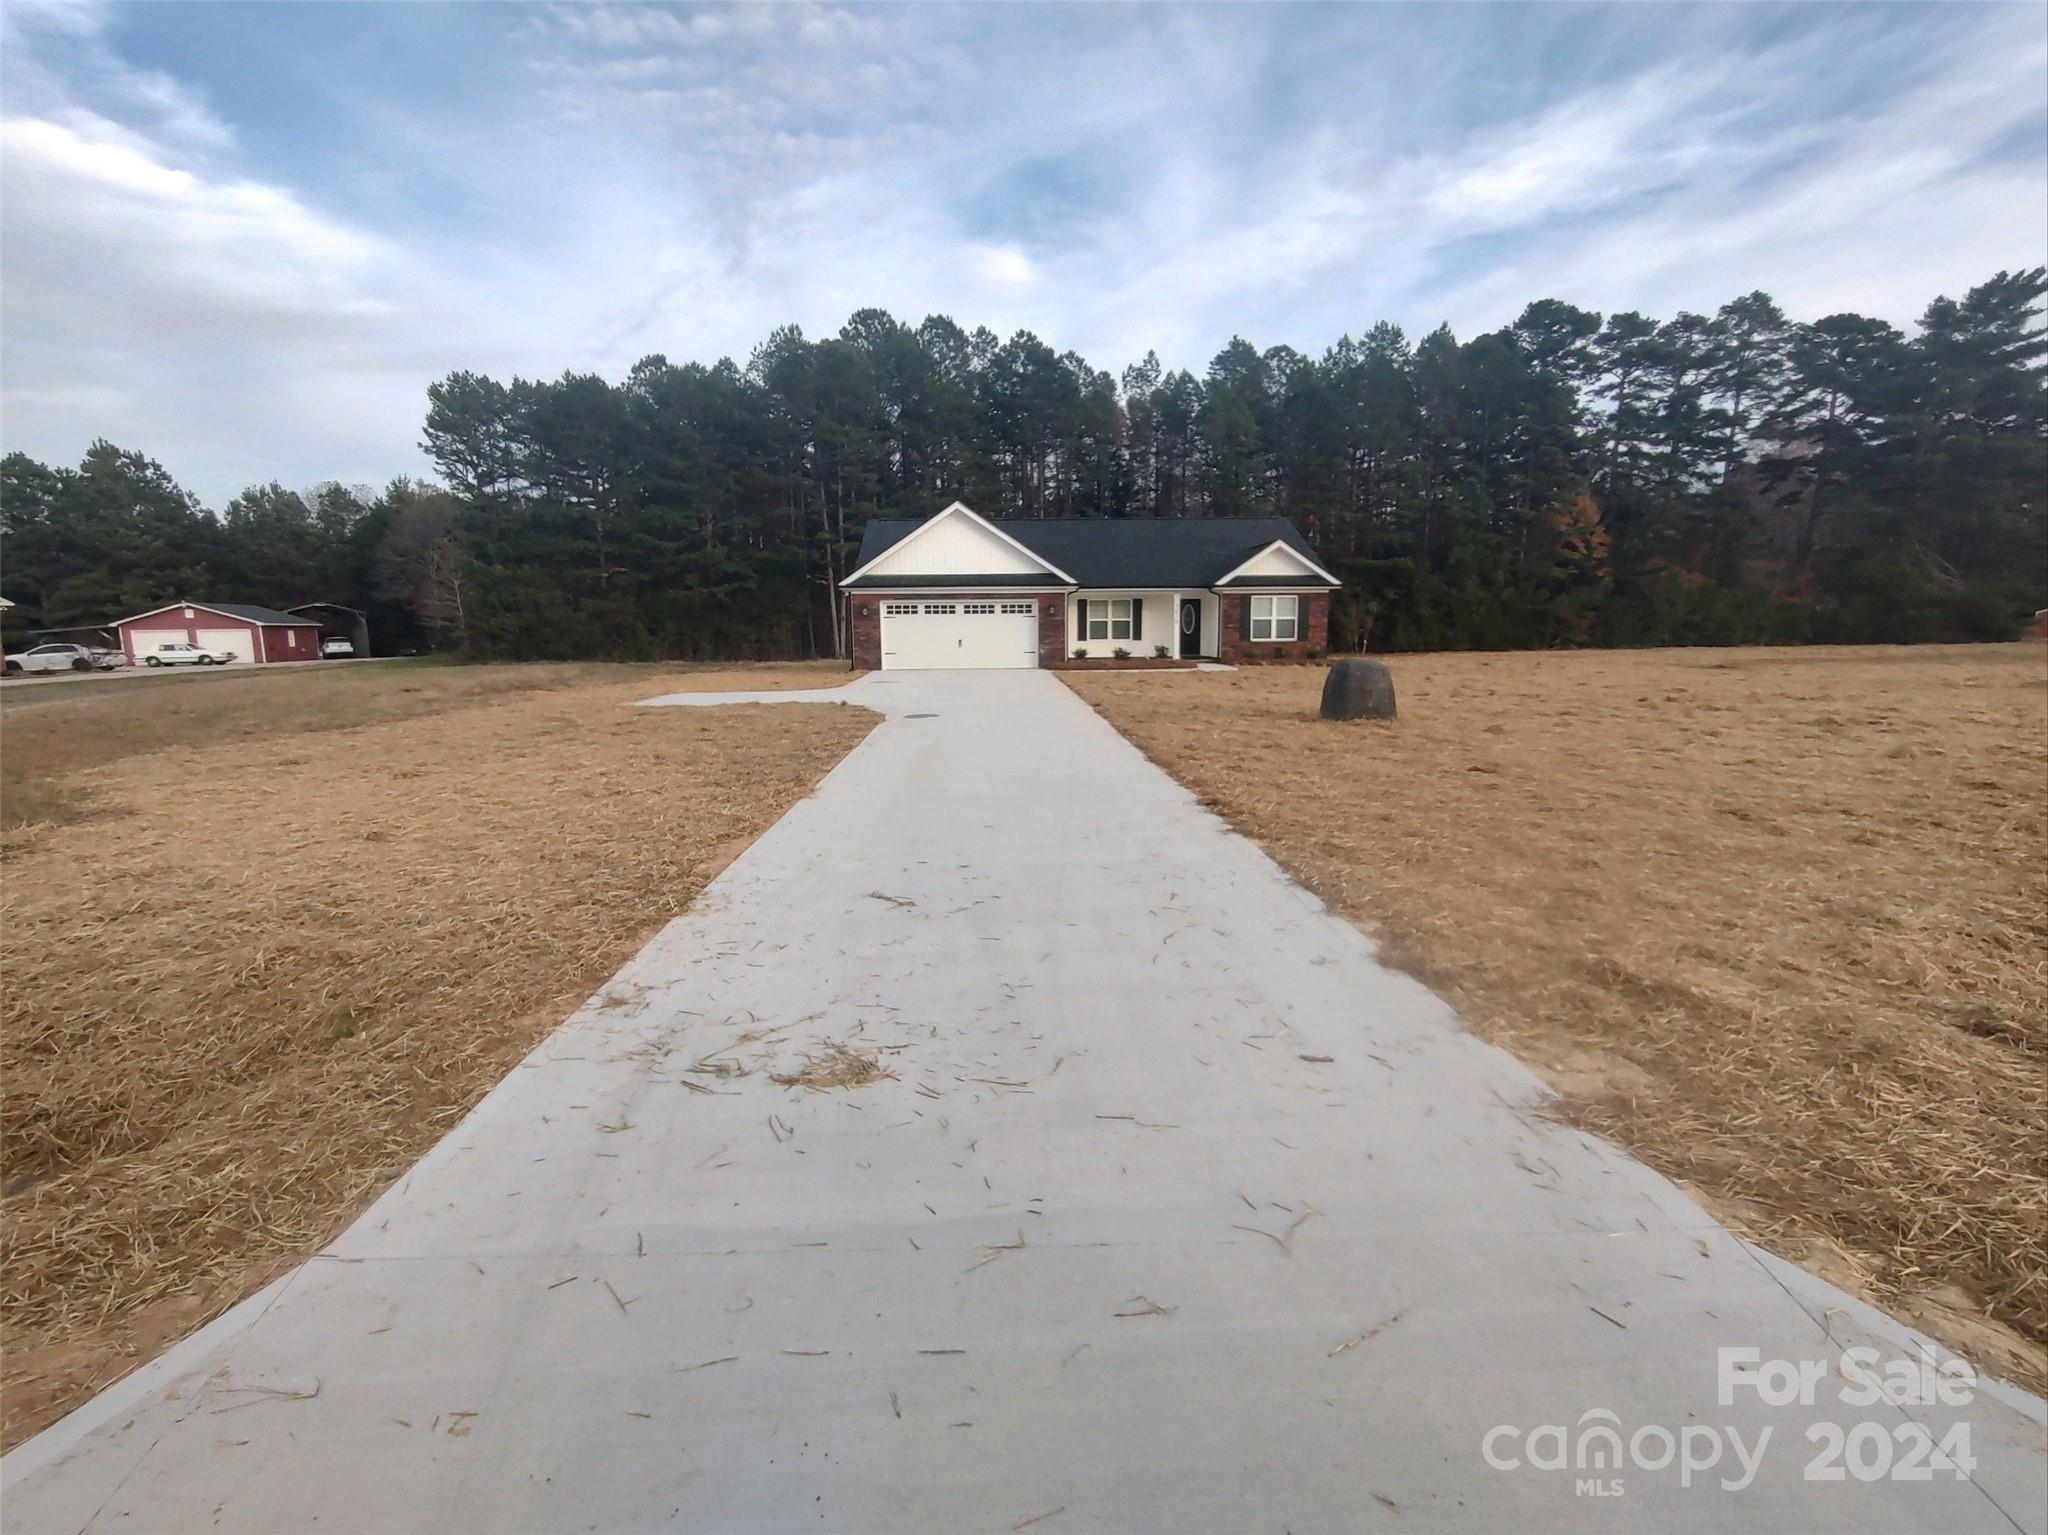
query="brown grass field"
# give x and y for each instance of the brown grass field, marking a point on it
(266, 937)
(1776, 919)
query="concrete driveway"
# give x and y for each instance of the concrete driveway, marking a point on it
(1177, 1213)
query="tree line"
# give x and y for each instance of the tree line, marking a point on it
(118, 536)
(1573, 478)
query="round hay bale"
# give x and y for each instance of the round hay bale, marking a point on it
(1358, 690)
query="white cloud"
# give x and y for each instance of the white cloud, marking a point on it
(107, 239)
(1007, 265)
(177, 115)
(624, 26)
(151, 294)
(1655, 129)
(1880, 215)
(624, 179)
(57, 63)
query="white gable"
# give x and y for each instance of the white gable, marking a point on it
(1277, 560)
(955, 546)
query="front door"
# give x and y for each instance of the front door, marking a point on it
(1191, 626)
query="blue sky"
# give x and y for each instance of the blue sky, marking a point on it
(243, 238)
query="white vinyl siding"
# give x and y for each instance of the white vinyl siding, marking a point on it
(1133, 621)
(1276, 618)
(955, 546)
(1276, 563)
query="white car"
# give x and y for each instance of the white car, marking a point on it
(178, 653)
(59, 658)
(335, 645)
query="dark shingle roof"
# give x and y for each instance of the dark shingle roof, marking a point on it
(1115, 551)
(254, 613)
(956, 580)
(251, 612)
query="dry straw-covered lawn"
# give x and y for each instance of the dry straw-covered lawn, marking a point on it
(266, 938)
(1777, 919)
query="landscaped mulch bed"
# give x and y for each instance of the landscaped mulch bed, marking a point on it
(1121, 664)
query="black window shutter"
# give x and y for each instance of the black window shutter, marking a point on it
(1081, 621)
(1137, 618)
(1244, 618)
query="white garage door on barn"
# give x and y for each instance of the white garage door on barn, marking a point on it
(953, 634)
(241, 641)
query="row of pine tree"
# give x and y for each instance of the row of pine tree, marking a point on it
(1739, 477)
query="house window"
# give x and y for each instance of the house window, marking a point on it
(1110, 620)
(1276, 618)
(291, 638)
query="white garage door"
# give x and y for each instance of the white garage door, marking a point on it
(947, 636)
(241, 641)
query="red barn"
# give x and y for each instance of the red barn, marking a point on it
(253, 633)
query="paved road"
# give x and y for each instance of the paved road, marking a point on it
(1178, 1214)
(59, 680)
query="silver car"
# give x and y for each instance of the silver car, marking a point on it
(59, 658)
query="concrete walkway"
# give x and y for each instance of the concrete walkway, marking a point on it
(1179, 1213)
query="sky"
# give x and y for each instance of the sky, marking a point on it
(244, 238)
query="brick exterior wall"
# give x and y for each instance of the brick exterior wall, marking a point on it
(1052, 628)
(867, 622)
(1232, 645)
(867, 632)
(1235, 609)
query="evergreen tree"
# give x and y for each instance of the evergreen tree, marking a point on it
(1568, 479)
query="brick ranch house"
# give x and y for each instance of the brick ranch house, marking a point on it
(957, 591)
(253, 633)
